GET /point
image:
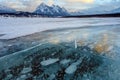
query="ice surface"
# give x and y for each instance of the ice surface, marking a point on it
(63, 59)
(16, 27)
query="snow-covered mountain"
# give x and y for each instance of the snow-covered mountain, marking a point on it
(53, 10)
(99, 10)
(4, 9)
(76, 13)
(117, 10)
(96, 10)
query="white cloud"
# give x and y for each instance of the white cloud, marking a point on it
(82, 1)
(24, 5)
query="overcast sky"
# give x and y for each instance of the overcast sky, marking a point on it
(30, 5)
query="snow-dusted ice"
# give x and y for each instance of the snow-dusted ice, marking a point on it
(16, 27)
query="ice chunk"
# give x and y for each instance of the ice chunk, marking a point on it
(49, 61)
(26, 70)
(52, 76)
(65, 61)
(75, 44)
(71, 69)
(22, 77)
(8, 77)
(110, 48)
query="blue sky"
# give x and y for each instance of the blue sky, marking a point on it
(30, 5)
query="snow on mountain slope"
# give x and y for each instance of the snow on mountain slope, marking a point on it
(53, 10)
(4, 9)
(76, 13)
(117, 10)
(101, 9)
(96, 10)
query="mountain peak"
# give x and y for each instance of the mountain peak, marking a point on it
(117, 10)
(43, 4)
(55, 5)
(53, 10)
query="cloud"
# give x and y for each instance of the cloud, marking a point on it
(50, 2)
(12, 4)
(24, 5)
(74, 5)
(83, 1)
(87, 1)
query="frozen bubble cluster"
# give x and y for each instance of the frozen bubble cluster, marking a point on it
(61, 62)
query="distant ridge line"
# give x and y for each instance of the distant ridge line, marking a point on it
(28, 14)
(95, 15)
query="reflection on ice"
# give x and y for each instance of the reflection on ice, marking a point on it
(54, 41)
(101, 41)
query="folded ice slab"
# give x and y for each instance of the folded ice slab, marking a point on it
(49, 61)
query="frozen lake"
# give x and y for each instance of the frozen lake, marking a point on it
(77, 48)
(16, 27)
